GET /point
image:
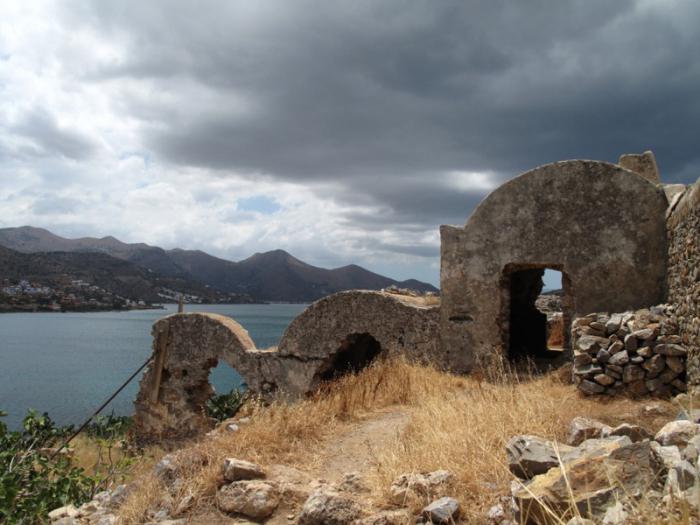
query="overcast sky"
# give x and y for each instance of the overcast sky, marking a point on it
(343, 132)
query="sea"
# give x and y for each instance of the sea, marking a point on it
(67, 364)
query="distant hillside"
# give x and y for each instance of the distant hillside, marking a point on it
(120, 277)
(270, 276)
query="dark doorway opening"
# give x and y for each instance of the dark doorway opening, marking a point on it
(356, 352)
(538, 320)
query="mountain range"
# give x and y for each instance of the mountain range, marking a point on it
(269, 276)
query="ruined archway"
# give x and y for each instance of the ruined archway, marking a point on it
(529, 331)
(176, 386)
(356, 352)
(347, 330)
(600, 223)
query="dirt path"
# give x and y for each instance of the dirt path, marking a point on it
(353, 450)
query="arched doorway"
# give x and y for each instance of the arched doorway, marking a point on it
(355, 352)
(536, 317)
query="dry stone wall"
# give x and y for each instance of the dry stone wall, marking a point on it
(637, 353)
(684, 275)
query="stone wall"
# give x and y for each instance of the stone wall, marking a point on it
(637, 353)
(684, 275)
(322, 342)
(602, 226)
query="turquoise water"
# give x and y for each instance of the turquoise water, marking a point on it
(68, 364)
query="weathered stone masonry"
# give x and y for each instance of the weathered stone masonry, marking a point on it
(622, 240)
(602, 226)
(684, 275)
(337, 333)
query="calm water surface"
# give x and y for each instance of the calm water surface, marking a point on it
(68, 364)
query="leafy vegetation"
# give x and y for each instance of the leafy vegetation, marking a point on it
(35, 477)
(225, 406)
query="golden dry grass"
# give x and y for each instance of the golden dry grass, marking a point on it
(456, 423)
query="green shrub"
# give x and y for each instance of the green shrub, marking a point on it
(32, 482)
(224, 406)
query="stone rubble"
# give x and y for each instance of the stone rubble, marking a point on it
(443, 510)
(101, 510)
(602, 475)
(639, 353)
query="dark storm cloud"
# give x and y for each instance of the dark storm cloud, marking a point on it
(385, 98)
(42, 129)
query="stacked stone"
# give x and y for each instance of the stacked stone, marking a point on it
(684, 276)
(637, 352)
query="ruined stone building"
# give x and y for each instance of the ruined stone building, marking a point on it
(620, 238)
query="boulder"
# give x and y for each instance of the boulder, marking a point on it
(692, 449)
(616, 347)
(592, 343)
(604, 379)
(590, 387)
(654, 366)
(422, 485)
(69, 511)
(677, 433)
(444, 510)
(327, 507)
(676, 364)
(634, 432)
(670, 350)
(643, 335)
(238, 470)
(686, 474)
(619, 358)
(632, 373)
(668, 456)
(582, 428)
(590, 481)
(529, 456)
(252, 498)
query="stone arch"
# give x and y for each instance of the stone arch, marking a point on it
(356, 352)
(600, 223)
(321, 334)
(170, 402)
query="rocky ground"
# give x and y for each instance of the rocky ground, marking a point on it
(637, 466)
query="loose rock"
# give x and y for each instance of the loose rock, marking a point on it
(327, 507)
(254, 499)
(444, 510)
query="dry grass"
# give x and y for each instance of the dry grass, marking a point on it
(457, 423)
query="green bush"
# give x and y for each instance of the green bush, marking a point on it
(32, 483)
(224, 406)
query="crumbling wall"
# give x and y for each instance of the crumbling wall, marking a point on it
(684, 275)
(400, 324)
(175, 387)
(601, 225)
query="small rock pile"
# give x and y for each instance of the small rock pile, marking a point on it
(601, 473)
(100, 511)
(248, 491)
(636, 352)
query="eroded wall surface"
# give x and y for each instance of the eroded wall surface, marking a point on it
(684, 276)
(175, 387)
(601, 225)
